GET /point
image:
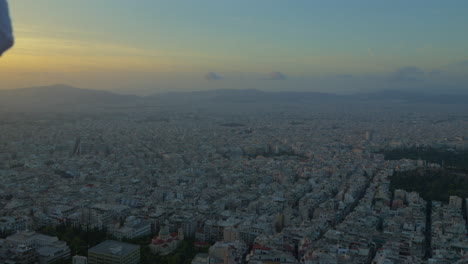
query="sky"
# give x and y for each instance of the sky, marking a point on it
(149, 46)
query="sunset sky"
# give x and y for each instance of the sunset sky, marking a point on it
(146, 46)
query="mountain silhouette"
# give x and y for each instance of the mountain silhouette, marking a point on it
(59, 95)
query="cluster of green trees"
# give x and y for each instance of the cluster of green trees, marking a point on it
(432, 184)
(445, 157)
(77, 239)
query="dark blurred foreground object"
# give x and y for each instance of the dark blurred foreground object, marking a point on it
(6, 32)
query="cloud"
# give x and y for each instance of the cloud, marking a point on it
(463, 63)
(435, 72)
(212, 76)
(344, 76)
(408, 74)
(277, 76)
(457, 67)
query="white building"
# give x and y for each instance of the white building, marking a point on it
(133, 228)
(12, 224)
(80, 260)
(455, 202)
(48, 248)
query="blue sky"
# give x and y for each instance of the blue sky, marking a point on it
(177, 42)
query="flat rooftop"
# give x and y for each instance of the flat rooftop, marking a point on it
(112, 247)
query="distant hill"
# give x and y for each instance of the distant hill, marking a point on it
(62, 96)
(413, 97)
(257, 96)
(59, 95)
(244, 96)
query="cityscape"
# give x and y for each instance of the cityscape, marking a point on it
(288, 187)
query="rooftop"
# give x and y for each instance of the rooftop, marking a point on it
(113, 247)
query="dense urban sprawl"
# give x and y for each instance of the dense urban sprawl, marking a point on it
(263, 188)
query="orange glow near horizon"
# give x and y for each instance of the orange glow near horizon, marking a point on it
(165, 44)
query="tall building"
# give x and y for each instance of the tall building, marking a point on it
(80, 260)
(227, 252)
(11, 224)
(133, 227)
(455, 202)
(200, 258)
(25, 255)
(111, 251)
(466, 207)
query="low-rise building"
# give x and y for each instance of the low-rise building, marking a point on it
(111, 251)
(166, 242)
(48, 248)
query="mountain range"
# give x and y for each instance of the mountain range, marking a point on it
(65, 96)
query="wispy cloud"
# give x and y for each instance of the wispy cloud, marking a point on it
(277, 76)
(408, 74)
(463, 63)
(345, 76)
(212, 76)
